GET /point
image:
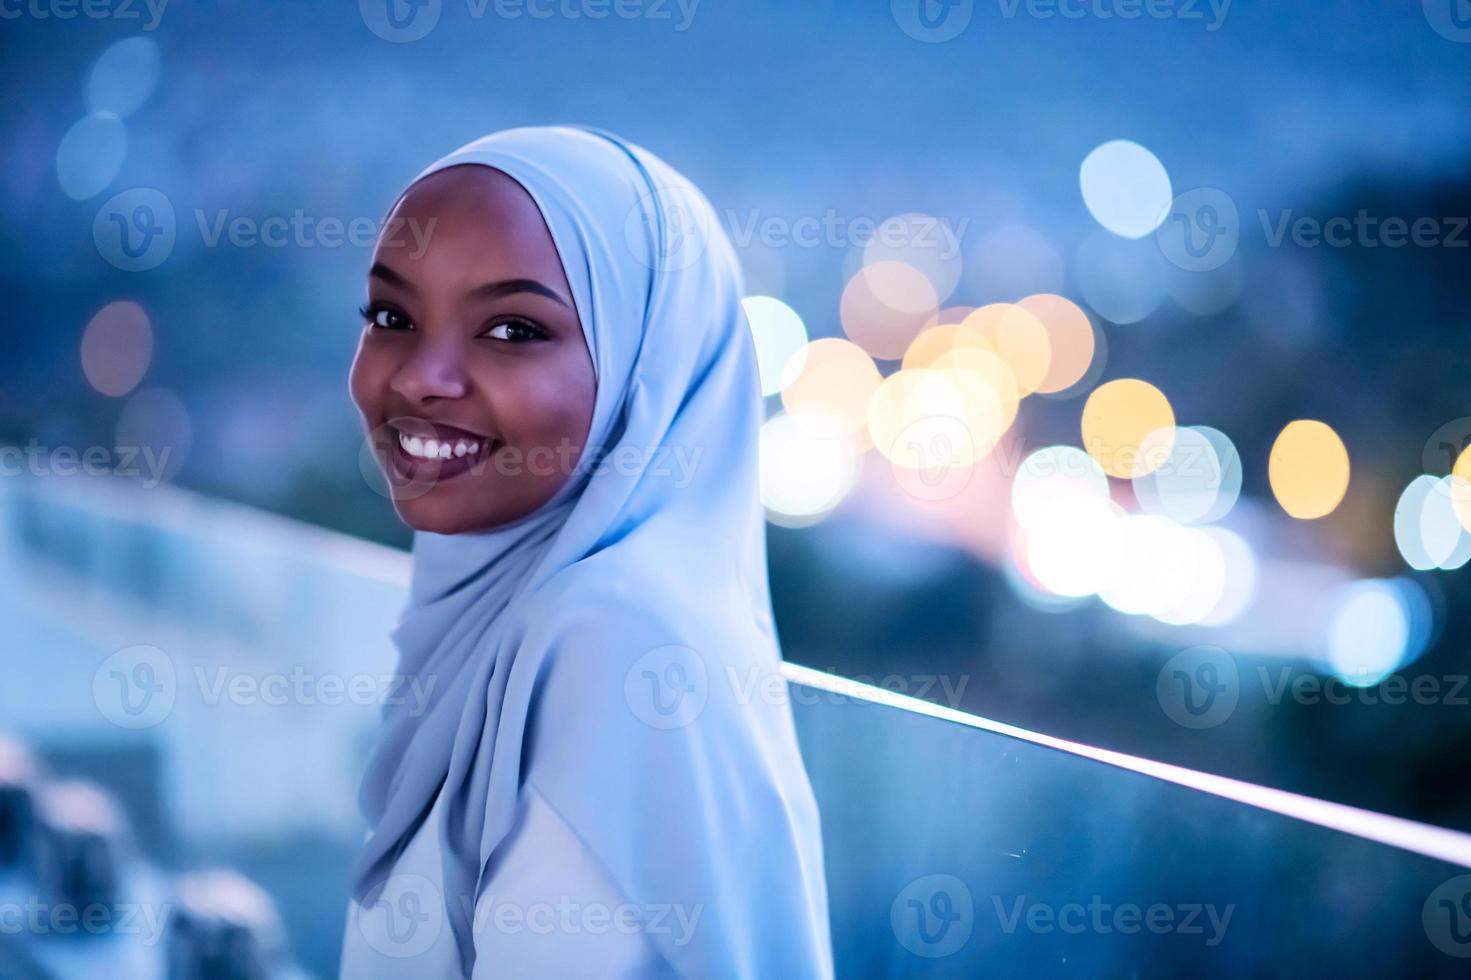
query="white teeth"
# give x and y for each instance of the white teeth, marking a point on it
(436, 449)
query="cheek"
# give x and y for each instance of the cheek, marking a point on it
(367, 378)
(545, 405)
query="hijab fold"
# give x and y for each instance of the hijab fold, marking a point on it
(615, 648)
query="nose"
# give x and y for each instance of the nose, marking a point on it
(434, 370)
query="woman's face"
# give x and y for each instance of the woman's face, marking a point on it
(472, 374)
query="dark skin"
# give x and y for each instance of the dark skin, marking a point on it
(472, 375)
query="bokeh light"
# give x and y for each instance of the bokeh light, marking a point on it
(1373, 628)
(992, 371)
(1205, 584)
(1072, 340)
(922, 242)
(1460, 487)
(779, 336)
(90, 155)
(935, 420)
(937, 341)
(154, 429)
(1242, 577)
(1427, 528)
(832, 378)
(805, 471)
(117, 348)
(1153, 566)
(1308, 469)
(884, 307)
(1128, 427)
(1198, 482)
(1054, 473)
(1018, 338)
(124, 76)
(1126, 188)
(1073, 543)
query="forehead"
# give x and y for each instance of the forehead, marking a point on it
(468, 217)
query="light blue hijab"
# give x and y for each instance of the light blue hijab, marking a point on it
(615, 648)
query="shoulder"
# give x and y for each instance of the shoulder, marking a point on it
(606, 616)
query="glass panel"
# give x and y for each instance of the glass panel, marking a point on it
(951, 850)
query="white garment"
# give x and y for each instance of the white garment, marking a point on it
(548, 910)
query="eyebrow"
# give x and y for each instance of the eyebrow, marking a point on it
(490, 290)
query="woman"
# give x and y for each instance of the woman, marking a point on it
(560, 385)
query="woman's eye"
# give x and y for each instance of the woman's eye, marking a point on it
(383, 318)
(514, 330)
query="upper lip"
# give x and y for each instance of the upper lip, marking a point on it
(443, 431)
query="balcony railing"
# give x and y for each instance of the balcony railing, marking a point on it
(212, 674)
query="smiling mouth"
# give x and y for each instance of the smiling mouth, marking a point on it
(435, 452)
(421, 448)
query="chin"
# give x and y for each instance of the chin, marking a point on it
(442, 516)
(423, 515)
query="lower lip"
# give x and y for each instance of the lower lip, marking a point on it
(416, 468)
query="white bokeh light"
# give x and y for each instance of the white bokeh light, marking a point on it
(806, 469)
(1368, 632)
(1198, 483)
(1053, 473)
(780, 337)
(1126, 188)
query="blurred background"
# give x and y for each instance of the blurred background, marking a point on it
(1116, 356)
